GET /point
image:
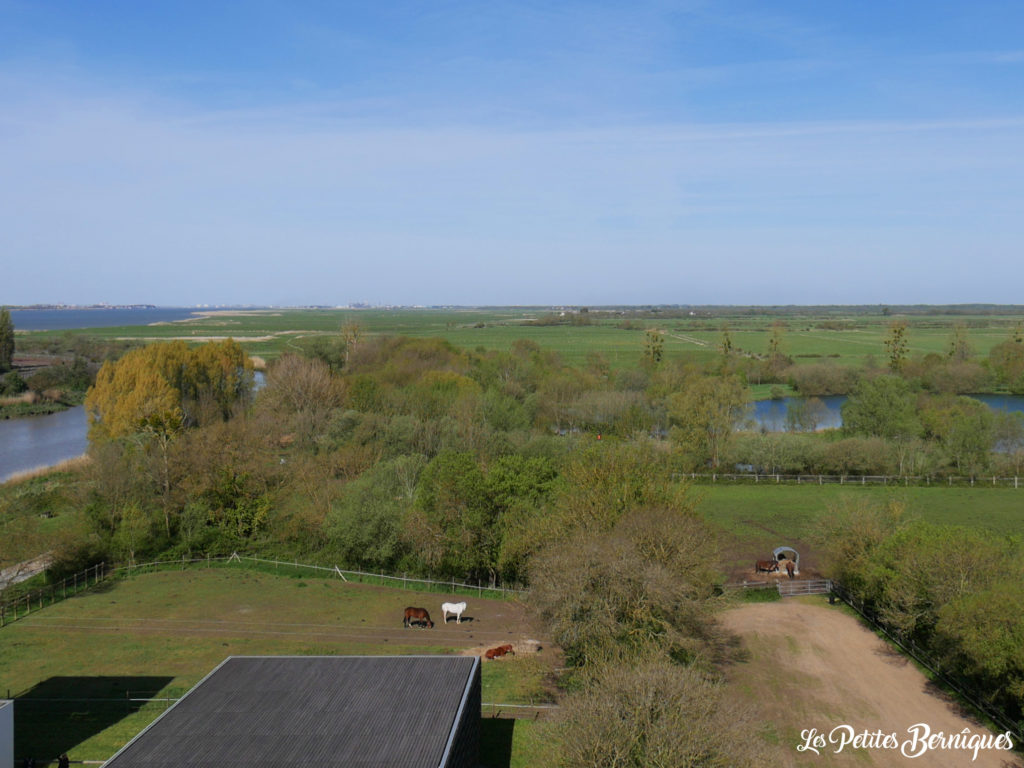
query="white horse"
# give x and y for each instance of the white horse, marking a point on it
(456, 608)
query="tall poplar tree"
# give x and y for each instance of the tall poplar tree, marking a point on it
(6, 341)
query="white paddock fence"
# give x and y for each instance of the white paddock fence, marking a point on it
(384, 579)
(950, 481)
(16, 604)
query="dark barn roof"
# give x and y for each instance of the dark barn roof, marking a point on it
(354, 711)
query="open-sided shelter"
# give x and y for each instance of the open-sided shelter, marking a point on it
(787, 553)
(353, 711)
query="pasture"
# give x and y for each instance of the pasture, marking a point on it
(155, 635)
(846, 336)
(756, 519)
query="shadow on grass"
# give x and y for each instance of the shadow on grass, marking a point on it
(62, 712)
(496, 742)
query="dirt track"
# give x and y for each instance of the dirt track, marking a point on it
(812, 666)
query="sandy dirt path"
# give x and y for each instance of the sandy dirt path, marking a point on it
(814, 666)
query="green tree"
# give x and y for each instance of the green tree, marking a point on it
(981, 634)
(6, 340)
(705, 415)
(655, 713)
(896, 346)
(960, 348)
(451, 525)
(964, 427)
(725, 345)
(884, 406)
(654, 346)
(630, 591)
(365, 525)
(1007, 362)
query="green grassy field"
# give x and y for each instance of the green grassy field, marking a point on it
(756, 519)
(844, 339)
(75, 666)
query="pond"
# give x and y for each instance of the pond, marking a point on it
(771, 415)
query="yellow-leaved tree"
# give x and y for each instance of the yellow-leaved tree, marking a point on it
(164, 386)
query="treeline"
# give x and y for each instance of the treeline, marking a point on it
(955, 593)
(960, 370)
(410, 455)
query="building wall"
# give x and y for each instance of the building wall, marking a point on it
(6, 733)
(465, 751)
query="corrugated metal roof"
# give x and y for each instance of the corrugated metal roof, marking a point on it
(355, 711)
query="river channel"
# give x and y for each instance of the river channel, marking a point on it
(41, 441)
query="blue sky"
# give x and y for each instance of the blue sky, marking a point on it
(511, 152)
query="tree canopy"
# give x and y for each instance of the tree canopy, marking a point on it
(167, 383)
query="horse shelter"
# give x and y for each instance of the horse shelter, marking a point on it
(396, 711)
(787, 553)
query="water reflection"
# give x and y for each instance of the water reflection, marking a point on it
(775, 415)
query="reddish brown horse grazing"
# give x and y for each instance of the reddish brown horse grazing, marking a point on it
(418, 615)
(766, 565)
(790, 568)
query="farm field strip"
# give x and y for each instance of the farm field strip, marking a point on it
(272, 332)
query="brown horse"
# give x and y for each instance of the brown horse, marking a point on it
(501, 650)
(766, 565)
(417, 615)
(790, 568)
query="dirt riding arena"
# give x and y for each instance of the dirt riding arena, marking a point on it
(816, 666)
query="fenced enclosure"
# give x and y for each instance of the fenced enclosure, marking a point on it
(31, 600)
(21, 605)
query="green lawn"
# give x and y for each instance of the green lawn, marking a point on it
(757, 518)
(156, 635)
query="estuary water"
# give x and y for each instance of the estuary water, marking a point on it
(99, 317)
